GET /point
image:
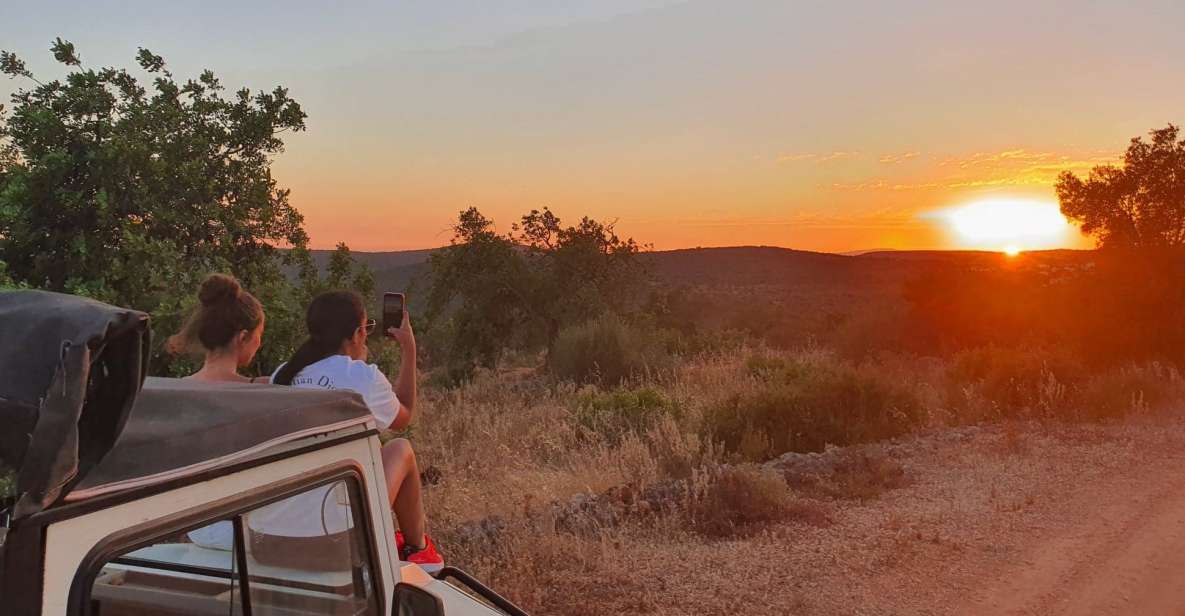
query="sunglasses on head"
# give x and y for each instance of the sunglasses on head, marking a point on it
(369, 327)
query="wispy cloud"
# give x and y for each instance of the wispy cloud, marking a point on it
(1022, 157)
(1010, 167)
(819, 157)
(893, 159)
(887, 219)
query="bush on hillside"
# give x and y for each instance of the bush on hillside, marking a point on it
(738, 500)
(1016, 382)
(683, 344)
(771, 367)
(1129, 389)
(806, 409)
(615, 413)
(605, 351)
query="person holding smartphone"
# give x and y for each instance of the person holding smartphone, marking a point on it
(334, 357)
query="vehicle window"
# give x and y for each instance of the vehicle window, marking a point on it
(305, 554)
(174, 576)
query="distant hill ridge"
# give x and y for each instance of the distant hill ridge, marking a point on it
(397, 258)
(740, 266)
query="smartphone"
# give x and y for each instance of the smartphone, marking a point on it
(393, 307)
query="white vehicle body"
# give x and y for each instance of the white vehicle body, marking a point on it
(141, 495)
(80, 538)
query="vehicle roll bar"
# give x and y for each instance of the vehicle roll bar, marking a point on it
(482, 590)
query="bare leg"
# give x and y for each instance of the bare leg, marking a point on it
(404, 490)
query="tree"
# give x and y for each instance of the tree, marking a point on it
(344, 272)
(1138, 205)
(131, 193)
(476, 301)
(520, 289)
(574, 273)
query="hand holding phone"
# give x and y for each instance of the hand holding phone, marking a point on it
(393, 311)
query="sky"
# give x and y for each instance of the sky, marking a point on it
(812, 125)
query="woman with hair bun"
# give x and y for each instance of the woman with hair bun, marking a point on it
(227, 326)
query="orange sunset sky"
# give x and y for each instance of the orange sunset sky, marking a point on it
(812, 125)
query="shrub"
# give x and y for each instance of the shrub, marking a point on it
(767, 367)
(1129, 389)
(805, 409)
(605, 351)
(858, 474)
(677, 452)
(1016, 381)
(867, 333)
(737, 500)
(612, 414)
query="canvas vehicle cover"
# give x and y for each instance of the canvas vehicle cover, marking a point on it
(70, 369)
(179, 427)
(77, 423)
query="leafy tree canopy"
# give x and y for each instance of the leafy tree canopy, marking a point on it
(519, 289)
(129, 186)
(104, 175)
(1138, 205)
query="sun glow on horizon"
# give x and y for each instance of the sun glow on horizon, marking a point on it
(1008, 225)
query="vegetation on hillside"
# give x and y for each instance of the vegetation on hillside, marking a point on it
(491, 292)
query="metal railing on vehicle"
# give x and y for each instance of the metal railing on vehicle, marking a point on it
(481, 590)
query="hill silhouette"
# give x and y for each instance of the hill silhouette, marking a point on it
(786, 278)
(767, 267)
(748, 265)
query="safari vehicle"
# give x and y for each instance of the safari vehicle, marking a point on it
(163, 496)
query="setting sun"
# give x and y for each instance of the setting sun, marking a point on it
(1007, 225)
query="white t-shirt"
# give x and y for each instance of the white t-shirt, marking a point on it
(217, 536)
(341, 372)
(324, 510)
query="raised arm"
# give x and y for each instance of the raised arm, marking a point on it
(405, 385)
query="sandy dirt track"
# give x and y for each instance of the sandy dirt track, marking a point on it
(1120, 549)
(1033, 519)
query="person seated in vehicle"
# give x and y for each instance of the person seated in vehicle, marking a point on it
(227, 326)
(334, 357)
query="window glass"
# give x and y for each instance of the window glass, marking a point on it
(174, 576)
(305, 554)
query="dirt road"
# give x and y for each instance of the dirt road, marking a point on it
(1030, 520)
(1119, 548)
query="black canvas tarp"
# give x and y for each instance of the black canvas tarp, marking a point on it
(70, 368)
(179, 427)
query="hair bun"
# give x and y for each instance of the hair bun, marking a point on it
(218, 288)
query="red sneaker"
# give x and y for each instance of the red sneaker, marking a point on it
(427, 558)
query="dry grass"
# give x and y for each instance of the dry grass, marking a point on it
(543, 488)
(864, 476)
(739, 501)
